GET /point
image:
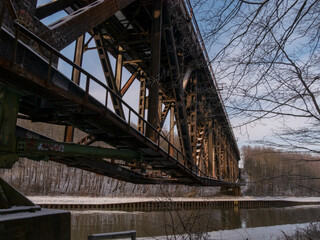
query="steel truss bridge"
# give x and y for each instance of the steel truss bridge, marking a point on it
(158, 42)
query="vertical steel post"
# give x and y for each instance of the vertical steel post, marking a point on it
(108, 73)
(153, 114)
(9, 106)
(171, 137)
(211, 150)
(142, 103)
(119, 64)
(224, 144)
(78, 56)
(232, 166)
(160, 99)
(191, 111)
(218, 149)
(193, 123)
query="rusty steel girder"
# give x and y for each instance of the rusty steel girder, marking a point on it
(60, 34)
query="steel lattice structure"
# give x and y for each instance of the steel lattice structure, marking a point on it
(159, 43)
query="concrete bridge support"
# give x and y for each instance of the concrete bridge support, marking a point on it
(21, 219)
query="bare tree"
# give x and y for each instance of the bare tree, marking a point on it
(267, 52)
(274, 172)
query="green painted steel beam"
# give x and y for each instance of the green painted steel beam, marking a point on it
(46, 148)
(11, 147)
(9, 106)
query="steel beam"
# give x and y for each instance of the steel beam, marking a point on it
(35, 148)
(164, 114)
(153, 99)
(119, 64)
(108, 73)
(192, 111)
(78, 56)
(217, 145)
(172, 123)
(225, 150)
(211, 150)
(229, 163)
(201, 146)
(129, 82)
(142, 104)
(9, 106)
(66, 30)
(7, 6)
(52, 7)
(87, 140)
(160, 102)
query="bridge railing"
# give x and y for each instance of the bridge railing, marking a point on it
(171, 150)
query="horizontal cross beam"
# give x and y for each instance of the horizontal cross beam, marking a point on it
(52, 7)
(67, 29)
(39, 148)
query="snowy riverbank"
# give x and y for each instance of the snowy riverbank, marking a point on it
(114, 200)
(248, 224)
(257, 233)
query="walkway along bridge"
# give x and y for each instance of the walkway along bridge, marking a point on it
(159, 43)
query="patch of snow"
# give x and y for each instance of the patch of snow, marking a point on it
(270, 233)
(114, 200)
(105, 212)
(257, 233)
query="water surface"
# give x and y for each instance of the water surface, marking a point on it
(159, 223)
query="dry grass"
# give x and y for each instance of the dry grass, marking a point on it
(311, 232)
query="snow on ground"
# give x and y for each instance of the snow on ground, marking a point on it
(257, 233)
(271, 232)
(113, 200)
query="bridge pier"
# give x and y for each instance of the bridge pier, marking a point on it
(21, 219)
(232, 191)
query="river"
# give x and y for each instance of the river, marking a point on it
(162, 223)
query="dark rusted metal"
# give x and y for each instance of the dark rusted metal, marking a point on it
(78, 56)
(66, 30)
(52, 7)
(142, 103)
(129, 82)
(108, 73)
(9, 106)
(180, 111)
(153, 99)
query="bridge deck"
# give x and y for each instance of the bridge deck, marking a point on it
(65, 102)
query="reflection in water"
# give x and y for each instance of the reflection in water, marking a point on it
(84, 223)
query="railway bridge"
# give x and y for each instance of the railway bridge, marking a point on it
(156, 42)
